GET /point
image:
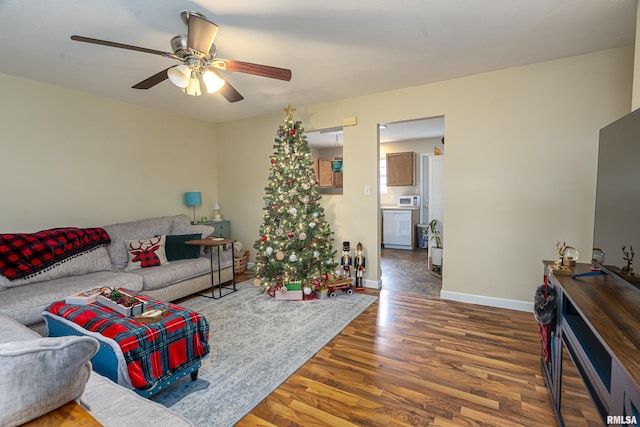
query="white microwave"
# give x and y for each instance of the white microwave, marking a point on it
(409, 201)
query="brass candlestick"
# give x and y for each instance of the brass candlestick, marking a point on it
(560, 250)
(628, 256)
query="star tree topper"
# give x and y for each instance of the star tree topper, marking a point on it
(289, 112)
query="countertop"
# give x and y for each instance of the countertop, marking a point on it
(400, 208)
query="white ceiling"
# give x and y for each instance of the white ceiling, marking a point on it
(432, 127)
(335, 48)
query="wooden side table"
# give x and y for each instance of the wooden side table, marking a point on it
(216, 243)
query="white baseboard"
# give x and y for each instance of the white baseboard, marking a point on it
(373, 284)
(468, 298)
(488, 301)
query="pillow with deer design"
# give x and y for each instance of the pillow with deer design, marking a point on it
(146, 252)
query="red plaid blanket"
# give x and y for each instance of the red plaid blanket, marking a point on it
(153, 352)
(22, 254)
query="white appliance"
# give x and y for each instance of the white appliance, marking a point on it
(436, 191)
(397, 224)
(412, 201)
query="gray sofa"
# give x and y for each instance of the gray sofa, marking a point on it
(25, 299)
(38, 375)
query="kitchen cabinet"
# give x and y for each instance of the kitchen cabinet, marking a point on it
(401, 169)
(326, 177)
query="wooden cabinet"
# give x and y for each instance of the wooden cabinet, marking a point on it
(401, 169)
(594, 369)
(222, 228)
(326, 177)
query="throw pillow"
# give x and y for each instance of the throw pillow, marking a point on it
(177, 249)
(146, 253)
(42, 374)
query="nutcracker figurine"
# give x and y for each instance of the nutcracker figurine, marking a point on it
(358, 264)
(346, 262)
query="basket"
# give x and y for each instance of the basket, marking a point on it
(240, 264)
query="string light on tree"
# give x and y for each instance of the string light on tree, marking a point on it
(296, 241)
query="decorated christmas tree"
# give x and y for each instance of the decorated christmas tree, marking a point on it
(296, 241)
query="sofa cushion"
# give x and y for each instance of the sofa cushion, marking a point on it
(173, 272)
(181, 224)
(10, 330)
(146, 252)
(41, 375)
(177, 249)
(141, 229)
(26, 303)
(131, 409)
(87, 262)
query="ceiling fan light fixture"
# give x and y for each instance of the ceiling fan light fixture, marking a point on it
(212, 81)
(193, 88)
(180, 75)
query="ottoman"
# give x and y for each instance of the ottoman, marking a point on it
(144, 357)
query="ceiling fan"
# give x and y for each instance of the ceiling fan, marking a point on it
(198, 62)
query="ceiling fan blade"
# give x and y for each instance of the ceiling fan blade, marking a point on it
(201, 34)
(257, 69)
(152, 81)
(119, 45)
(228, 91)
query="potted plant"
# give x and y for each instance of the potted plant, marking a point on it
(435, 252)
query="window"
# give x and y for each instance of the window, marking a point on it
(383, 176)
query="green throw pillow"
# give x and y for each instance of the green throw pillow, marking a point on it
(177, 249)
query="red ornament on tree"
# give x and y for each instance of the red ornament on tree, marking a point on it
(292, 132)
(273, 161)
(264, 238)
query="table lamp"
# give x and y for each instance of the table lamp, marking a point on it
(193, 199)
(216, 211)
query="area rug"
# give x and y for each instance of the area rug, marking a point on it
(256, 344)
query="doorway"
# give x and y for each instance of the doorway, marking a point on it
(408, 270)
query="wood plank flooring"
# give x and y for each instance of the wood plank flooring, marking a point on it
(414, 360)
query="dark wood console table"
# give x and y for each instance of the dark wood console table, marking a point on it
(595, 337)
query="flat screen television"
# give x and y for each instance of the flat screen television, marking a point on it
(617, 212)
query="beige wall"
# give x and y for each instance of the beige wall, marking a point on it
(519, 169)
(70, 159)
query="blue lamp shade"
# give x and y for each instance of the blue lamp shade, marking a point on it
(193, 198)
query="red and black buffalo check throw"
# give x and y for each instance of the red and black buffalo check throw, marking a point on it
(154, 351)
(23, 254)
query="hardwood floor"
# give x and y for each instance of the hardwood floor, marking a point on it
(415, 360)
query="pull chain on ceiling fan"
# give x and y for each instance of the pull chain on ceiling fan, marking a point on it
(197, 54)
